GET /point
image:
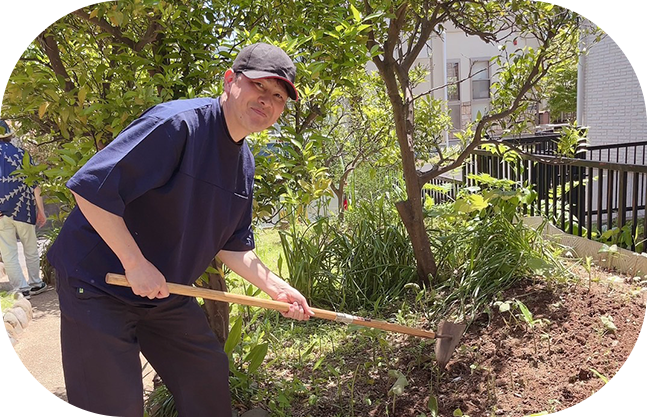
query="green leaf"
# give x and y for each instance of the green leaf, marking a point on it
(433, 405)
(318, 363)
(400, 384)
(356, 15)
(42, 109)
(234, 336)
(256, 357)
(308, 351)
(69, 160)
(537, 265)
(472, 203)
(503, 306)
(212, 270)
(608, 323)
(527, 315)
(82, 94)
(116, 17)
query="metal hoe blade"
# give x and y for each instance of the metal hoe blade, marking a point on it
(447, 338)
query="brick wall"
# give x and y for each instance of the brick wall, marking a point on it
(614, 106)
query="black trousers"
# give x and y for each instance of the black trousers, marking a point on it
(101, 338)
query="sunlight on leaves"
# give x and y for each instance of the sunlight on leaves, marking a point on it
(400, 384)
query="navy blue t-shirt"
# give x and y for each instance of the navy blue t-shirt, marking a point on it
(183, 188)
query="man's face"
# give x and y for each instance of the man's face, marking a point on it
(256, 104)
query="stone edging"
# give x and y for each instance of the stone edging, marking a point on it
(624, 261)
(17, 318)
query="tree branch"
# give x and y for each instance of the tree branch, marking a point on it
(50, 46)
(314, 113)
(152, 32)
(531, 80)
(448, 84)
(371, 42)
(393, 35)
(427, 28)
(37, 60)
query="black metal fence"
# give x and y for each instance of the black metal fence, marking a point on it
(622, 153)
(604, 191)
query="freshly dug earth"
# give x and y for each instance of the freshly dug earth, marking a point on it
(507, 369)
(502, 366)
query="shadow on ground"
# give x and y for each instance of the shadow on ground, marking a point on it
(45, 305)
(52, 404)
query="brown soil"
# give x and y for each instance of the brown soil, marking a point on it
(502, 367)
(520, 371)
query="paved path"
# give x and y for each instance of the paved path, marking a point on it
(31, 379)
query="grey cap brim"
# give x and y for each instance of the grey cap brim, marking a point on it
(255, 75)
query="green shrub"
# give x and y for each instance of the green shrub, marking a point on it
(482, 247)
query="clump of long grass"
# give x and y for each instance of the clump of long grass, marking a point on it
(361, 264)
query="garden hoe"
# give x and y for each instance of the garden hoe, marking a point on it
(447, 337)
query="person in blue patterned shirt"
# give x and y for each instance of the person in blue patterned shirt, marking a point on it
(21, 208)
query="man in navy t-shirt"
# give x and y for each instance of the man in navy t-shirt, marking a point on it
(169, 193)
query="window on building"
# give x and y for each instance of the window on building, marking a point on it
(455, 113)
(453, 88)
(480, 80)
(454, 94)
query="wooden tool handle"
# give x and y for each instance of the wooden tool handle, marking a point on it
(209, 294)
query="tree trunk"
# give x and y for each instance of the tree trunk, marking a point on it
(425, 262)
(410, 210)
(217, 311)
(340, 193)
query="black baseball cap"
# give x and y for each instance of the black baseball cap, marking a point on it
(262, 60)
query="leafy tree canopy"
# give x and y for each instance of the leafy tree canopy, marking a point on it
(85, 78)
(92, 72)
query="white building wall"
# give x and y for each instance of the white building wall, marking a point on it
(458, 47)
(465, 50)
(613, 104)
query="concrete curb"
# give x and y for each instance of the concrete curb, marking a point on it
(17, 317)
(624, 261)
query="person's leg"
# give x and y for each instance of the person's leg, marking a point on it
(27, 235)
(9, 251)
(178, 342)
(100, 353)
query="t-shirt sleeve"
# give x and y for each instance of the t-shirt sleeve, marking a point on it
(143, 157)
